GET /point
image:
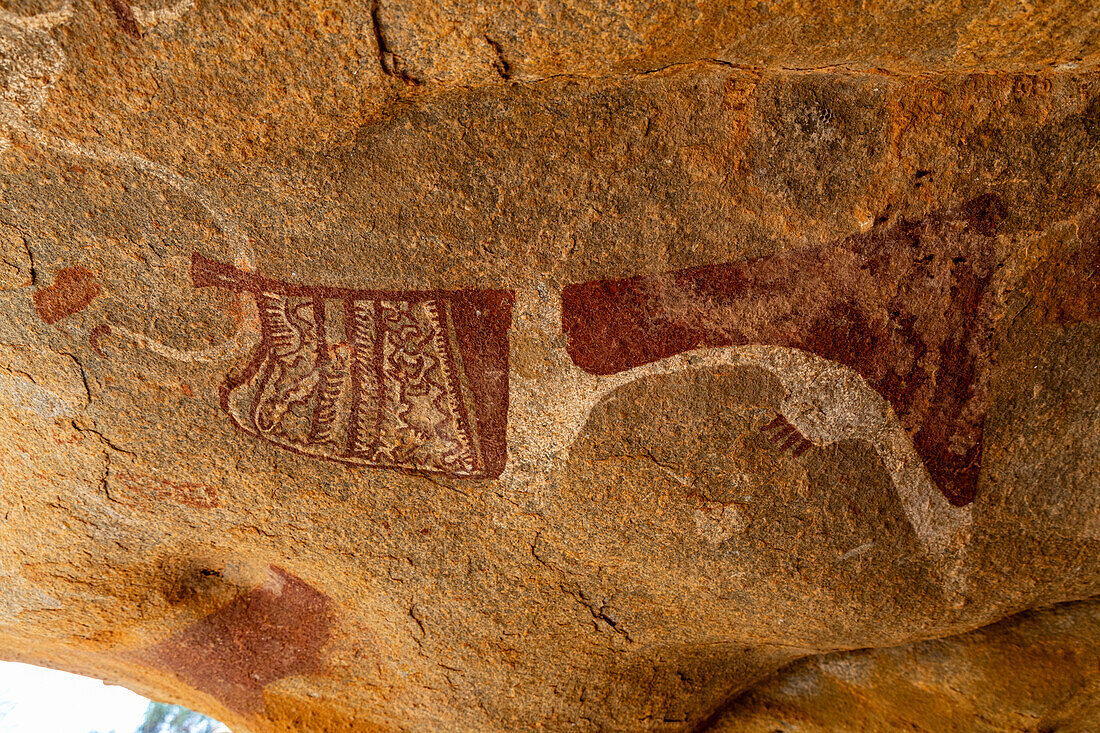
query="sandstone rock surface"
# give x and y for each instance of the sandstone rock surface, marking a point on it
(565, 365)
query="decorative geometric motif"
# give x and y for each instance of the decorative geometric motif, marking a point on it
(413, 380)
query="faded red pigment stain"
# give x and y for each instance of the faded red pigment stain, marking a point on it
(125, 17)
(274, 631)
(1066, 291)
(73, 289)
(907, 307)
(145, 489)
(96, 334)
(403, 379)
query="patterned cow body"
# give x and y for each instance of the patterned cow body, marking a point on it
(413, 380)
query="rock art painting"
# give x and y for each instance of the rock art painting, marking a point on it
(412, 380)
(73, 290)
(94, 337)
(273, 631)
(127, 23)
(149, 491)
(30, 63)
(786, 436)
(906, 307)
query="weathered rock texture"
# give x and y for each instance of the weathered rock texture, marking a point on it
(478, 366)
(1034, 672)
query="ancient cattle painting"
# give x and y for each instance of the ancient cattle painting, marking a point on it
(274, 630)
(412, 380)
(907, 307)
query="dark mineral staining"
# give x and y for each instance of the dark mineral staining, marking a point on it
(906, 307)
(1090, 118)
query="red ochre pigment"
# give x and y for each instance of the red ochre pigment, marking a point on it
(906, 307)
(73, 289)
(151, 490)
(786, 436)
(273, 631)
(124, 14)
(338, 371)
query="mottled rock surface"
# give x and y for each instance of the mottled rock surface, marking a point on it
(1033, 672)
(572, 365)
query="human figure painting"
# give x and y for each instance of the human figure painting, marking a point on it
(409, 380)
(907, 307)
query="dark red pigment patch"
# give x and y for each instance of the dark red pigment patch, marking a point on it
(1066, 290)
(271, 632)
(905, 307)
(125, 17)
(96, 334)
(72, 290)
(338, 370)
(786, 436)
